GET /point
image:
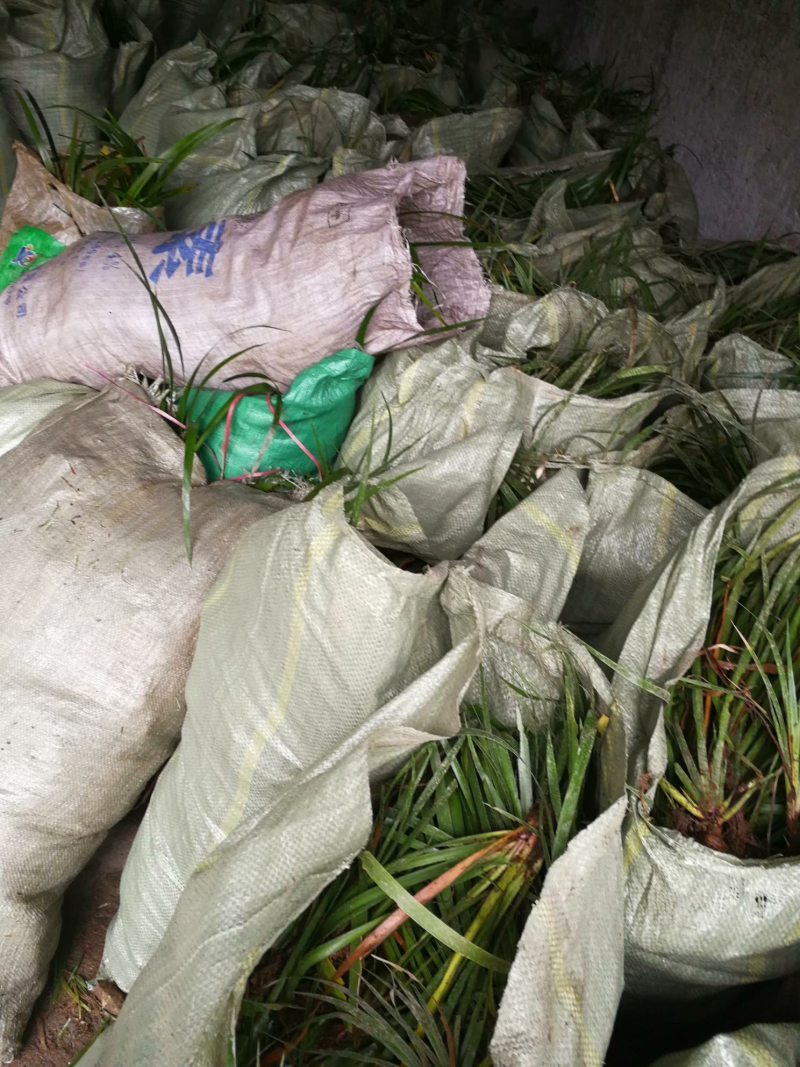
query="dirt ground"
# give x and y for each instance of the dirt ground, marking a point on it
(58, 1031)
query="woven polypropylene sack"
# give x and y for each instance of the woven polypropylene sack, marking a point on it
(38, 199)
(739, 362)
(256, 187)
(760, 1045)
(133, 56)
(696, 920)
(350, 160)
(635, 519)
(542, 135)
(534, 550)
(180, 80)
(663, 624)
(274, 762)
(767, 419)
(681, 201)
(23, 407)
(391, 80)
(775, 281)
(454, 430)
(302, 25)
(561, 422)
(57, 80)
(566, 981)
(183, 18)
(281, 141)
(523, 568)
(745, 928)
(554, 227)
(59, 54)
(481, 139)
(291, 285)
(316, 122)
(105, 609)
(562, 323)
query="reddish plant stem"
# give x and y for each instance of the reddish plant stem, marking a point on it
(432, 889)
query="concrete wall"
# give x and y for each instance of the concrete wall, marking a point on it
(728, 73)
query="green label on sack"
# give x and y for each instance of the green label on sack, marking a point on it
(28, 247)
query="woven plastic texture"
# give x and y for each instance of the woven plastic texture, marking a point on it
(753, 1046)
(566, 981)
(291, 285)
(277, 787)
(456, 426)
(94, 665)
(696, 920)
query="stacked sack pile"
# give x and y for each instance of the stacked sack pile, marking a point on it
(386, 457)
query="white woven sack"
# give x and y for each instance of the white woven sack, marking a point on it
(295, 283)
(565, 984)
(318, 664)
(22, 408)
(522, 569)
(453, 428)
(636, 518)
(759, 1045)
(103, 612)
(564, 322)
(696, 920)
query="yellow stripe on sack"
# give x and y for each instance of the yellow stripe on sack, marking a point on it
(406, 385)
(665, 512)
(411, 529)
(320, 547)
(471, 401)
(551, 313)
(62, 73)
(755, 1050)
(437, 147)
(757, 967)
(691, 334)
(541, 518)
(218, 591)
(361, 439)
(794, 934)
(566, 990)
(499, 116)
(633, 844)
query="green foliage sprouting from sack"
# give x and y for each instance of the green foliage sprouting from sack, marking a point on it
(733, 722)
(402, 959)
(114, 170)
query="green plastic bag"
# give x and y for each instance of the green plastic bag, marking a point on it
(27, 248)
(317, 409)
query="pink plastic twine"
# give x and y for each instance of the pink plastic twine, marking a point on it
(227, 436)
(158, 411)
(299, 443)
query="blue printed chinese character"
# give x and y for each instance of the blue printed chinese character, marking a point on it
(196, 249)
